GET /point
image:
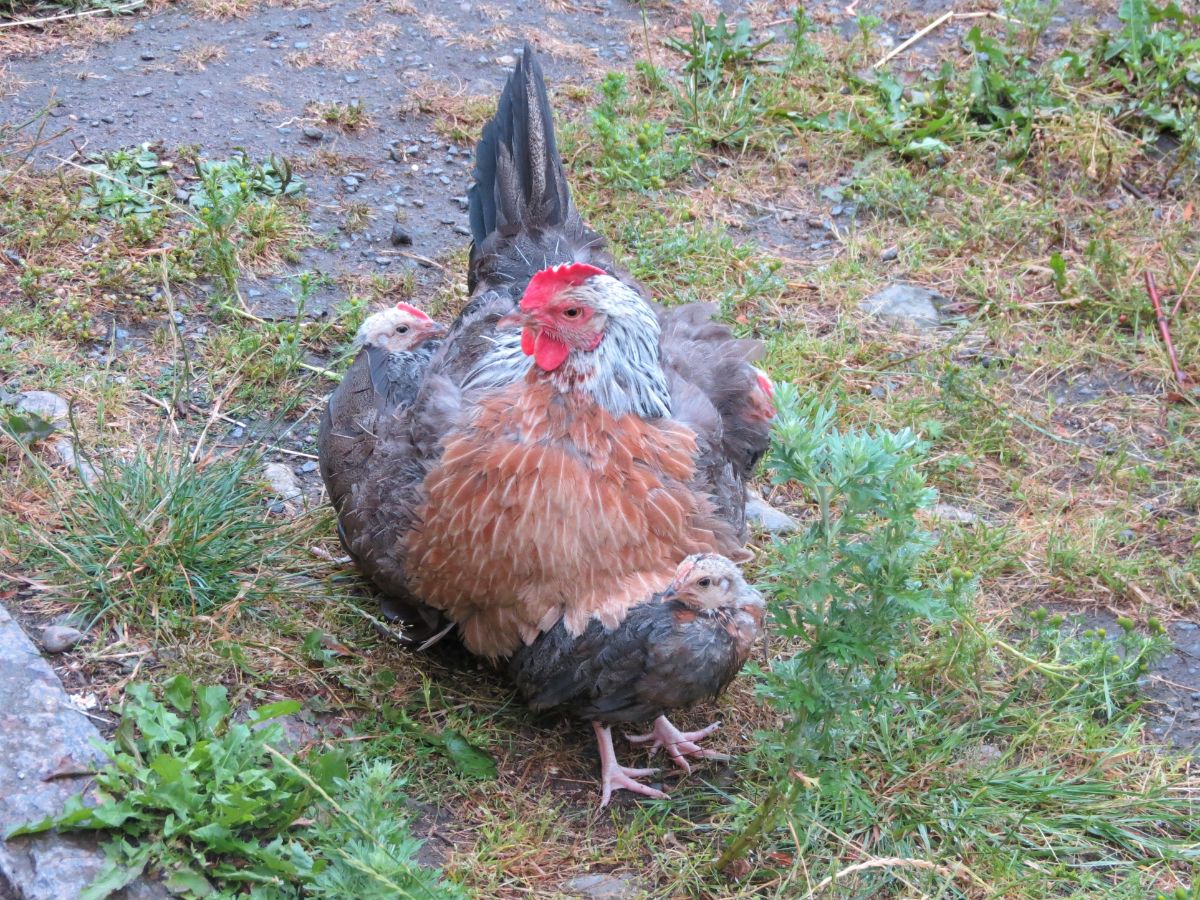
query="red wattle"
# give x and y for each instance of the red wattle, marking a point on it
(549, 352)
(527, 342)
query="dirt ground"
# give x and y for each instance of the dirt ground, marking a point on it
(272, 68)
(418, 74)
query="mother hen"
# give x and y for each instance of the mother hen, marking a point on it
(570, 442)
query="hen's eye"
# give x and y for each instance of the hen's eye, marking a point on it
(401, 329)
(572, 312)
(704, 582)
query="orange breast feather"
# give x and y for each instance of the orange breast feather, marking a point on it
(546, 507)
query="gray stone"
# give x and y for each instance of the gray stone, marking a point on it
(603, 886)
(43, 734)
(60, 638)
(400, 237)
(312, 133)
(64, 448)
(282, 481)
(51, 407)
(905, 307)
(945, 512)
(766, 517)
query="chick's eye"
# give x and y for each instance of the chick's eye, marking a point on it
(704, 582)
(572, 312)
(401, 329)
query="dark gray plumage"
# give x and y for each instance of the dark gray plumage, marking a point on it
(678, 648)
(380, 384)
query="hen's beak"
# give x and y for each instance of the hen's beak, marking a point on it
(435, 329)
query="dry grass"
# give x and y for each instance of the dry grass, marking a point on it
(200, 56)
(223, 10)
(79, 36)
(346, 49)
(457, 114)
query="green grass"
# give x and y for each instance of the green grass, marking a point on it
(1004, 754)
(160, 539)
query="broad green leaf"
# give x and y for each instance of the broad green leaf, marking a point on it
(467, 758)
(188, 881)
(213, 702)
(180, 694)
(275, 710)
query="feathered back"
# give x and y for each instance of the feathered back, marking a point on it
(522, 217)
(519, 176)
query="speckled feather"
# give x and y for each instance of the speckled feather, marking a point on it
(664, 655)
(542, 509)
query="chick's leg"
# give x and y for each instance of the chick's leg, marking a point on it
(678, 744)
(613, 775)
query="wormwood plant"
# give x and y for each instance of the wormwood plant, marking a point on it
(210, 802)
(846, 590)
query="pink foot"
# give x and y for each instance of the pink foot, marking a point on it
(678, 743)
(613, 775)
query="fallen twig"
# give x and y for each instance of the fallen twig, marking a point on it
(114, 10)
(1187, 287)
(1164, 327)
(933, 26)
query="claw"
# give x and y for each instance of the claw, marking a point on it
(614, 776)
(678, 744)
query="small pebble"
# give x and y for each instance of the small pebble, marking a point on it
(312, 133)
(889, 254)
(59, 638)
(400, 237)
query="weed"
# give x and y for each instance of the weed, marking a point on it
(231, 199)
(127, 183)
(201, 796)
(719, 95)
(632, 154)
(343, 116)
(848, 588)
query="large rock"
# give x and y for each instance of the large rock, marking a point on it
(51, 407)
(905, 307)
(41, 733)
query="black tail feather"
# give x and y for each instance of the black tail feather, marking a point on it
(519, 176)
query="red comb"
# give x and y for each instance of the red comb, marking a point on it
(548, 282)
(412, 310)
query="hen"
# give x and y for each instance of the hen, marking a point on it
(680, 647)
(559, 470)
(396, 346)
